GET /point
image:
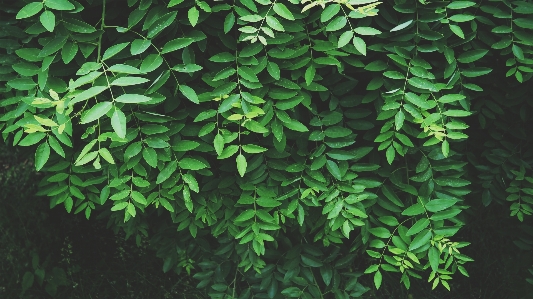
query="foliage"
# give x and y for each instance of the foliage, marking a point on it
(287, 139)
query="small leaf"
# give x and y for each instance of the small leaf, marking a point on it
(241, 165)
(401, 26)
(189, 93)
(167, 172)
(133, 98)
(193, 14)
(48, 20)
(41, 155)
(360, 45)
(96, 112)
(118, 122)
(283, 11)
(344, 39)
(377, 279)
(420, 240)
(219, 144)
(29, 10)
(253, 149)
(59, 4)
(229, 21)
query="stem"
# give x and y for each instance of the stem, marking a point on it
(102, 25)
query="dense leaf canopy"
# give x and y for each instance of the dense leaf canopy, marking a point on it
(287, 138)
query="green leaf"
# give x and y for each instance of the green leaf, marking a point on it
(390, 154)
(189, 93)
(401, 26)
(333, 168)
(104, 153)
(445, 147)
(176, 44)
(191, 182)
(118, 122)
(366, 31)
(416, 100)
(329, 12)
(119, 206)
(244, 216)
(29, 10)
(24, 83)
(138, 46)
(193, 14)
(414, 210)
(165, 174)
(311, 261)
(360, 45)
(457, 30)
(283, 11)
(420, 240)
(114, 50)
(524, 22)
(377, 279)
(229, 21)
(437, 205)
(337, 24)
(48, 20)
(96, 112)
(273, 70)
(422, 84)
(191, 164)
(471, 56)
(344, 39)
(128, 81)
(457, 113)
(59, 4)
(138, 197)
(399, 119)
(460, 4)
(41, 155)
(266, 202)
(418, 226)
(88, 94)
(255, 127)
(253, 149)
(380, 232)
(274, 23)
(133, 98)
(150, 156)
(433, 256)
(241, 165)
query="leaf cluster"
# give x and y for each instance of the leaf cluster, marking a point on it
(287, 137)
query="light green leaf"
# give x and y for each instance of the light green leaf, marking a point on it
(138, 46)
(193, 14)
(189, 93)
(104, 153)
(329, 12)
(176, 44)
(253, 149)
(401, 26)
(418, 226)
(274, 23)
(48, 20)
(96, 112)
(241, 164)
(420, 240)
(127, 81)
(457, 30)
(119, 206)
(360, 45)
(366, 31)
(41, 155)
(138, 197)
(167, 172)
(191, 181)
(283, 11)
(377, 279)
(471, 56)
(59, 4)
(344, 39)
(437, 205)
(29, 10)
(390, 154)
(150, 156)
(337, 24)
(414, 210)
(118, 122)
(191, 164)
(229, 21)
(133, 98)
(114, 50)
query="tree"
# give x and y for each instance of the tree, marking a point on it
(270, 145)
